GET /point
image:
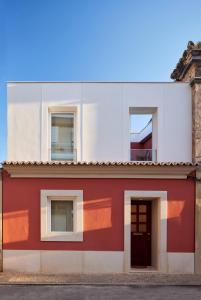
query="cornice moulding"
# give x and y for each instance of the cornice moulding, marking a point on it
(97, 171)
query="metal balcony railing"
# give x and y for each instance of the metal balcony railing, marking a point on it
(62, 151)
(143, 154)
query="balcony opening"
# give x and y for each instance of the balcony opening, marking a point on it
(141, 137)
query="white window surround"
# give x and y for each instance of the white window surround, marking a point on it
(62, 109)
(45, 209)
(160, 246)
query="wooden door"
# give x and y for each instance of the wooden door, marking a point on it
(140, 233)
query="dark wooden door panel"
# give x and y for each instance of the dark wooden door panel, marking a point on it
(140, 233)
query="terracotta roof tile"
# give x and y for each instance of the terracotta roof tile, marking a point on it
(95, 163)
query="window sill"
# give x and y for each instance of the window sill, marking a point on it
(63, 237)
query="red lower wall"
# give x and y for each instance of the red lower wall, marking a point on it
(103, 212)
(146, 145)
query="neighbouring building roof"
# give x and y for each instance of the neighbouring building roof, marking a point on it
(190, 55)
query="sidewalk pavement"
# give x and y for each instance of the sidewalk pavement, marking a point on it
(135, 279)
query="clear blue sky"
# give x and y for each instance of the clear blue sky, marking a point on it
(92, 40)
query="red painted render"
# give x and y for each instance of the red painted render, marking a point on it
(146, 145)
(103, 212)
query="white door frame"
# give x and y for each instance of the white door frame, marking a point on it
(161, 251)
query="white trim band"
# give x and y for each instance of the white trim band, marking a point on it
(66, 262)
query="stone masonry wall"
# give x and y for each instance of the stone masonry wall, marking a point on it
(196, 126)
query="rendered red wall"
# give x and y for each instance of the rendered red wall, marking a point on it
(146, 145)
(103, 212)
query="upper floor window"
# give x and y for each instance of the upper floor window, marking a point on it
(142, 146)
(63, 136)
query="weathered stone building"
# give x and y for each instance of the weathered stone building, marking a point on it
(188, 69)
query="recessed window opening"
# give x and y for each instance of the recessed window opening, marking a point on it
(62, 136)
(141, 137)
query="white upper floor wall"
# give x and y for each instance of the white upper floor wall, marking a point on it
(102, 118)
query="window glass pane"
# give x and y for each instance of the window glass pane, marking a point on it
(142, 227)
(142, 218)
(133, 218)
(61, 215)
(133, 227)
(133, 208)
(142, 208)
(62, 135)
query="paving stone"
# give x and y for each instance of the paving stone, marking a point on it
(141, 278)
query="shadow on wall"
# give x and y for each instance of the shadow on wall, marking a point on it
(178, 211)
(17, 223)
(103, 216)
(19, 228)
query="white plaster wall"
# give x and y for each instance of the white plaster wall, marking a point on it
(58, 262)
(23, 122)
(61, 262)
(102, 118)
(180, 262)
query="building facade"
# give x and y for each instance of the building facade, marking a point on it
(97, 117)
(104, 177)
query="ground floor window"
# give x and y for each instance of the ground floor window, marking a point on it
(61, 215)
